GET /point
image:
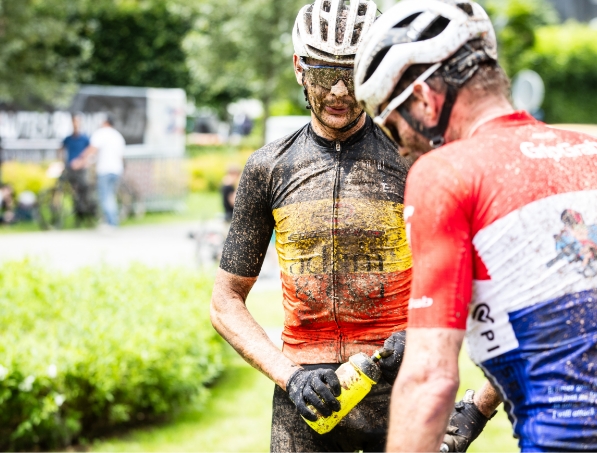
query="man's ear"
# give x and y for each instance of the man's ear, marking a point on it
(428, 103)
(298, 71)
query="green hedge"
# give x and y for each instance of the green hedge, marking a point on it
(83, 353)
(566, 57)
(206, 170)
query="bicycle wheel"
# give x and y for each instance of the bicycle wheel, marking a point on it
(56, 208)
(128, 202)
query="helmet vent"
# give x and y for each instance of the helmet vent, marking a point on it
(309, 19)
(341, 26)
(467, 8)
(435, 29)
(324, 29)
(406, 22)
(375, 62)
(358, 29)
(327, 6)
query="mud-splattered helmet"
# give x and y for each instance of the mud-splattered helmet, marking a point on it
(421, 32)
(332, 30)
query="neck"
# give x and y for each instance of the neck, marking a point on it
(471, 113)
(334, 134)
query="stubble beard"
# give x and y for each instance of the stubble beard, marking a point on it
(319, 98)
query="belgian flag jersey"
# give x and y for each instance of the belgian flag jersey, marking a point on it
(337, 212)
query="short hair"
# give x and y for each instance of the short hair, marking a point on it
(490, 79)
(109, 118)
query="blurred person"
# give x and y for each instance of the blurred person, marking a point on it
(72, 148)
(109, 146)
(511, 205)
(25, 206)
(7, 204)
(228, 190)
(333, 194)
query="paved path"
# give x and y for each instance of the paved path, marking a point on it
(164, 245)
(154, 245)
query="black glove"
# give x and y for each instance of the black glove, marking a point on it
(316, 387)
(391, 356)
(465, 425)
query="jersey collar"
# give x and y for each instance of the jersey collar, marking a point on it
(518, 118)
(354, 138)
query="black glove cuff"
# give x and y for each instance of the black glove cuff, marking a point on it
(292, 377)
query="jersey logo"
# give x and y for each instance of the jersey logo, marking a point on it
(423, 302)
(559, 151)
(482, 312)
(577, 244)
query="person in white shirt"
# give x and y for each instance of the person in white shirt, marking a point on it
(109, 146)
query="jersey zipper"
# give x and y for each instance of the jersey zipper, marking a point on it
(334, 237)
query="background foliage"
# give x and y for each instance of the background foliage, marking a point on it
(41, 53)
(565, 55)
(137, 45)
(87, 352)
(243, 47)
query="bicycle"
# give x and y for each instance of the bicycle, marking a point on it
(62, 206)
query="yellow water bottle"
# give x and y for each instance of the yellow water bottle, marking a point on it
(356, 377)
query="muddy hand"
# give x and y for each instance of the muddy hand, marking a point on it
(317, 388)
(391, 356)
(465, 425)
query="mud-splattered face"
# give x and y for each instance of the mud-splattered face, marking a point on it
(411, 144)
(331, 94)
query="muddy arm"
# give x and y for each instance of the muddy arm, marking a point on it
(231, 318)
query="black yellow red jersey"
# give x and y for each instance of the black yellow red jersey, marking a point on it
(337, 212)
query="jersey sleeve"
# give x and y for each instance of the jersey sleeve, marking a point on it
(252, 222)
(440, 237)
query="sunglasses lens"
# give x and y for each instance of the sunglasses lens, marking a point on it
(328, 77)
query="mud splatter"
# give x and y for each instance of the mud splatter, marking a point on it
(339, 235)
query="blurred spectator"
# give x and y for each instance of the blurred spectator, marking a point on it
(74, 145)
(241, 127)
(7, 204)
(25, 206)
(228, 190)
(109, 145)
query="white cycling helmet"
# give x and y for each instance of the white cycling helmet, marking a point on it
(331, 30)
(421, 32)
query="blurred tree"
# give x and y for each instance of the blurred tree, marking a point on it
(242, 48)
(515, 22)
(565, 56)
(138, 43)
(41, 51)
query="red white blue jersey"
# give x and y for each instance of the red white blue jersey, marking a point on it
(503, 229)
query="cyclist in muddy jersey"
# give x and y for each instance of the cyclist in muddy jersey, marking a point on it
(333, 194)
(512, 207)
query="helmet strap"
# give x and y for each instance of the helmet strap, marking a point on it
(435, 134)
(353, 123)
(308, 106)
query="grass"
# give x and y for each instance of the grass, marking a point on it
(236, 418)
(237, 415)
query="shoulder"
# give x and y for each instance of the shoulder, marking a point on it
(386, 148)
(383, 140)
(268, 155)
(436, 175)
